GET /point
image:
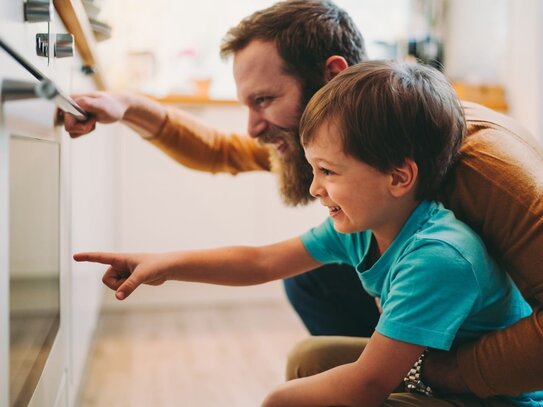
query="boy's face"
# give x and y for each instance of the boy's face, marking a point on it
(356, 194)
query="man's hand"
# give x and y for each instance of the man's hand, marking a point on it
(440, 371)
(128, 271)
(103, 108)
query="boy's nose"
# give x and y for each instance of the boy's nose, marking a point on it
(315, 189)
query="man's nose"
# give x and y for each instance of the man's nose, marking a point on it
(256, 124)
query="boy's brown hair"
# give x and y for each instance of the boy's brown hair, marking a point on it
(306, 33)
(388, 111)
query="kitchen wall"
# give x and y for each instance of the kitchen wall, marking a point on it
(524, 70)
(185, 47)
(500, 42)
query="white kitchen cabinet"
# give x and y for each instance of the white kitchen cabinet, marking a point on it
(55, 197)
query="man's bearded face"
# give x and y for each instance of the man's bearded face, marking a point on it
(289, 163)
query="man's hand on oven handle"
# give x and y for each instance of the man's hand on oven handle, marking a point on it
(102, 108)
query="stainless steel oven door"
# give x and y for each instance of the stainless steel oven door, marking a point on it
(34, 261)
(31, 250)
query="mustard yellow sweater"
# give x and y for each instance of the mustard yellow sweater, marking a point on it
(496, 187)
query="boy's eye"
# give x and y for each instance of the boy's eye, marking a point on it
(325, 171)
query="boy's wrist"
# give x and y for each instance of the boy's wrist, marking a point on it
(413, 381)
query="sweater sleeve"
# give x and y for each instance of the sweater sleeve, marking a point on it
(505, 362)
(197, 146)
(497, 188)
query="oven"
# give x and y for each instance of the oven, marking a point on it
(34, 214)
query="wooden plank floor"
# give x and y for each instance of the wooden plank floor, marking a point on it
(197, 357)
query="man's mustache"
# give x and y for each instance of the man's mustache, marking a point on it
(272, 133)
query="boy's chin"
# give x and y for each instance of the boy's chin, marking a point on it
(340, 227)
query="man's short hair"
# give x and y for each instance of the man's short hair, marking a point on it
(306, 33)
(389, 111)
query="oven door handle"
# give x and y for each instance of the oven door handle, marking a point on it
(16, 90)
(46, 88)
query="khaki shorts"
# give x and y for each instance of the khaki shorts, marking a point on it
(320, 353)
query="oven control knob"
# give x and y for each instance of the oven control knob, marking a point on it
(64, 45)
(38, 10)
(42, 45)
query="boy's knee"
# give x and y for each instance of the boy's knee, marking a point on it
(317, 354)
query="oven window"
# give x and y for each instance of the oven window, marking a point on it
(34, 261)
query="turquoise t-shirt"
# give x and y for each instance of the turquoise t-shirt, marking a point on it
(436, 283)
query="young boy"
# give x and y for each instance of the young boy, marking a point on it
(380, 138)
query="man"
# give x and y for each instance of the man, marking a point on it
(282, 55)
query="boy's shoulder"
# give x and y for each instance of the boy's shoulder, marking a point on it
(441, 231)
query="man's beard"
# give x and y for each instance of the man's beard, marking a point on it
(294, 172)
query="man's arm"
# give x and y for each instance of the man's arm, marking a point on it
(474, 367)
(367, 382)
(508, 362)
(143, 114)
(177, 133)
(233, 266)
(496, 188)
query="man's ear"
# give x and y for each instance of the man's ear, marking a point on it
(403, 179)
(334, 65)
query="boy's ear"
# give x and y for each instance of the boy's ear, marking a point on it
(403, 179)
(334, 65)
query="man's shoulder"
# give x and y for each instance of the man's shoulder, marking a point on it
(493, 127)
(499, 154)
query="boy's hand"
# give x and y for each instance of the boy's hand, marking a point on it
(126, 271)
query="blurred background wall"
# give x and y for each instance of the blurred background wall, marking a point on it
(490, 49)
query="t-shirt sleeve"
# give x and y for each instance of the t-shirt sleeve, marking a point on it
(326, 245)
(432, 291)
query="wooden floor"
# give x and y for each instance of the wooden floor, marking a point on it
(197, 357)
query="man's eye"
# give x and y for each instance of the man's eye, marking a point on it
(262, 99)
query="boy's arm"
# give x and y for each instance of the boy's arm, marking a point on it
(226, 266)
(367, 382)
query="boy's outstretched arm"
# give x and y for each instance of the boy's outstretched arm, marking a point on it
(367, 382)
(238, 265)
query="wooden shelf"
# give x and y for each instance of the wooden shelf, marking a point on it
(489, 95)
(75, 19)
(194, 100)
